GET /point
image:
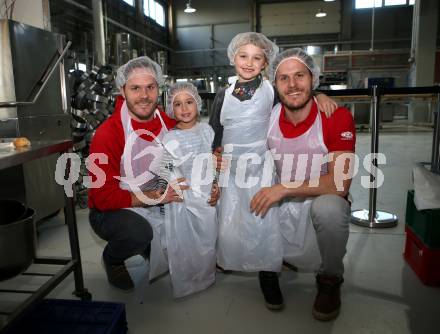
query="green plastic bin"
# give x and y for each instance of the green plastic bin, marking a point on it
(424, 223)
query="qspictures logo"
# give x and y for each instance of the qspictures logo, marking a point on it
(241, 168)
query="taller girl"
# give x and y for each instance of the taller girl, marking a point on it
(240, 119)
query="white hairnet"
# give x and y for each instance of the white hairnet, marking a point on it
(182, 87)
(299, 55)
(124, 72)
(269, 48)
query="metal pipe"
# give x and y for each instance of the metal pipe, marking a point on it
(374, 150)
(343, 53)
(63, 84)
(435, 155)
(70, 217)
(372, 217)
(47, 77)
(105, 24)
(137, 34)
(201, 50)
(212, 45)
(211, 24)
(98, 27)
(372, 27)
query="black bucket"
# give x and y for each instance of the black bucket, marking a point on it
(11, 211)
(17, 238)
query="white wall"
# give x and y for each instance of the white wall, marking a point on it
(298, 18)
(31, 12)
(212, 26)
(212, 12)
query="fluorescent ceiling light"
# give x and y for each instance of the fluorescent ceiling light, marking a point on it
(188, 8)
(320, 13)
(336, 87)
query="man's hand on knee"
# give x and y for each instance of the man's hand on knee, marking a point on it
(265, 198)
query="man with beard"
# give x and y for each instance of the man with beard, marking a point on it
(126, 154)
(314, 157)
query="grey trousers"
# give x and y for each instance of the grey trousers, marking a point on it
(331, 217)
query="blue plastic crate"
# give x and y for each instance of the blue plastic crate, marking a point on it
(60, 316)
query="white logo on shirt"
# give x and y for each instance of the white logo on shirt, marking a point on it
(347, 135)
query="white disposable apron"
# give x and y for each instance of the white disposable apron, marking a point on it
(246, 242)
(191, 225)
(300, 247)
(139, 166)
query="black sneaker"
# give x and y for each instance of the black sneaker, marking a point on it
(118, 276)
(328, 300)
(271, 290)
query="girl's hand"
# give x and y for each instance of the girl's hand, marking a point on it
(220, 163)
(326, 104)
(215, 194)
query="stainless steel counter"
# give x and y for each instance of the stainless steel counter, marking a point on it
(10, 156)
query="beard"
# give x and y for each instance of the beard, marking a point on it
(297, 105)
(142, 113)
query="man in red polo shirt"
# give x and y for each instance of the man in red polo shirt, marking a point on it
(313, 156)
(121, 211)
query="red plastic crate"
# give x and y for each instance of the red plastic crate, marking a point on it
(424, 261)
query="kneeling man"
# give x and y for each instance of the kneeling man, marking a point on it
(314, 156)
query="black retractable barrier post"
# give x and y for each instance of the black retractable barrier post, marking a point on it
(372, 217)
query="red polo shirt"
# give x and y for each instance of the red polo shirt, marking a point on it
(338, 130)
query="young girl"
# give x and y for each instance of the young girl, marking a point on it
(240, 119)
(191, 225)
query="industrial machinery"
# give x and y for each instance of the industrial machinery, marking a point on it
(92, 103)
(33, 104)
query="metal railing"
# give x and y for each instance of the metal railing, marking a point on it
(372, 217)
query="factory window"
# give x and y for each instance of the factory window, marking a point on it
(155, 10)
(368, 3)
(395, 2)
(82, 67)
(130, 2)
(382, 3)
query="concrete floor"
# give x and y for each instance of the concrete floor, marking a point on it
(381, 294)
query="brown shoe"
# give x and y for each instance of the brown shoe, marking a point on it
(328, 300)
(118, 276)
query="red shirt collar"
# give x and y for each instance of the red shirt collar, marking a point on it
(289, 130)
(151, 125)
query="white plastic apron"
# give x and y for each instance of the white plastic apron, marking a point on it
(299, 238)
(191, 226)
(246, 242)
(139, 157)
